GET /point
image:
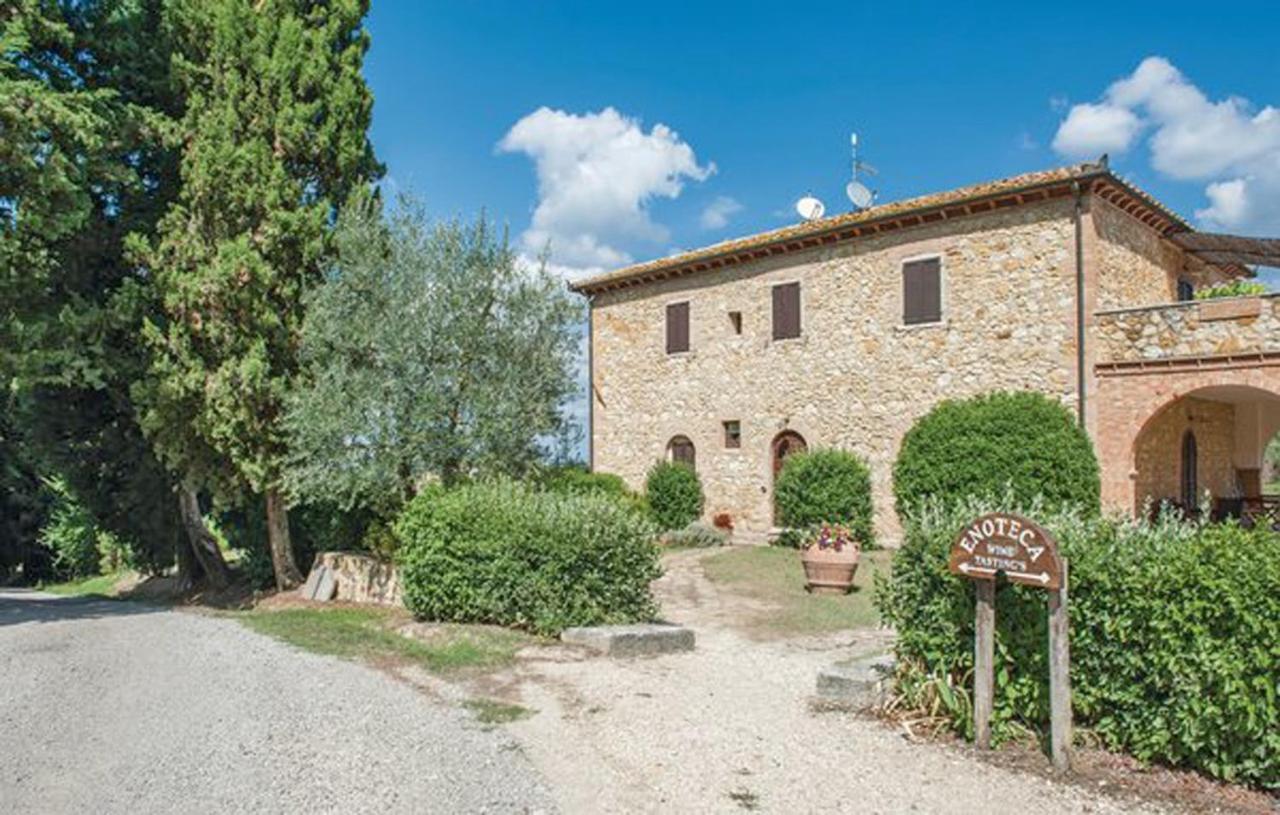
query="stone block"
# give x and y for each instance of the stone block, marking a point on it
(645, 639)
(361, 578)
(862, 681)
(307, 590)
(326, 586)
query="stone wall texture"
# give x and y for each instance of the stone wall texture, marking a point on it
(1135, 266)
(1207, 327)
(362, 578)
(857, 378)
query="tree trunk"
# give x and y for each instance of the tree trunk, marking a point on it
(188, 568)
(203, 544)
(287, 574)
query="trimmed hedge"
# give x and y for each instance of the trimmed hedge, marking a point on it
(984, 446)
(826, 486)
(1175, 639)
(574, 480)
(674, 494)
(503, 554)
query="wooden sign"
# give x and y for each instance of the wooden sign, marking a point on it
(1010, 545)
(1025, 553)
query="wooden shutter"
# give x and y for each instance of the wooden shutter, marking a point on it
(786, 311)
(677, 328)
(922, 291)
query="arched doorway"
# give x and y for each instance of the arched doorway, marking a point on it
(681, 450)
(1205, 444)
(1190, 478)
(786, 443)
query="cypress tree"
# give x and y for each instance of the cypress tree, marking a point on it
(274, 139)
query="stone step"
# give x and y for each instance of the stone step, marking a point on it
(643, 639)
(862, 681)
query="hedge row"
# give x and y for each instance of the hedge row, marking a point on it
(501, 553)
(1175, 638)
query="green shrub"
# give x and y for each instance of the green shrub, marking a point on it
(674, 494)
(981, 447)
(380, 540)
(1175, 638)
(576, 480)
(826, 486)
(696, 535)
(500, 553)
(70, 534)
(1236, 288)
(114, 553)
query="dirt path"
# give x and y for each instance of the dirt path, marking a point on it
(729, 728)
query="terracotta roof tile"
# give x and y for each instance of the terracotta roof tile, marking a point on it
(895, 209)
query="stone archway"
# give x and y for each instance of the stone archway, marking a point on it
(1142, 420)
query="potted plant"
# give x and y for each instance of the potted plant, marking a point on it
(830, 558)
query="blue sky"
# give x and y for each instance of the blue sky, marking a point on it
(760, 99)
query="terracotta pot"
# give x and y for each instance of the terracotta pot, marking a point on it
(827, 571)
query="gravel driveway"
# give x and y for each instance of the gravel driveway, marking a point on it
(110, 707)
(728, 729)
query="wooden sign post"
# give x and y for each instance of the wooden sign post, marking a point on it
(1024, 553)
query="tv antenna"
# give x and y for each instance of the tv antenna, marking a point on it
(860, 195)
(810, 208)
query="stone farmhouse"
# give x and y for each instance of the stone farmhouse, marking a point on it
(841, 332)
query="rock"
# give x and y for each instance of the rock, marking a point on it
(308, 589)
(361, 578)
(326, 585)
(644, 639)
(862, 681)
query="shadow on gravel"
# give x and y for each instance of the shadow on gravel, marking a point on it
(19, 606)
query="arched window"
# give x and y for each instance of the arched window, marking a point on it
(1190, 483)
(680, 449)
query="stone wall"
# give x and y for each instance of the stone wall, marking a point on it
(1135, 267)
(856, 378)
(1206, 327)
(1158, 450)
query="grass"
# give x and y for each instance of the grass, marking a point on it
(491, 711)
(367, 634)
(103, 585)
(774, 575)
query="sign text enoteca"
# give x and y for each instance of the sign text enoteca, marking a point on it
(1022, 551)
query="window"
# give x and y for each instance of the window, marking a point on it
(1190, 481)
(677, 328)
(1186, 290)
(786, 311)
(732, 435)
(735, 321)
(680, 450)
(922, 291)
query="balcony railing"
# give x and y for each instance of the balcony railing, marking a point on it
(1234, 327)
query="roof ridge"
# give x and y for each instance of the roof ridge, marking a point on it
(807, 231)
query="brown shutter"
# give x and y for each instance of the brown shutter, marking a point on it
(786, 311)
(677, 328)
(922, 291)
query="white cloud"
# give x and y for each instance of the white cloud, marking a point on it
(1230, 145)
(597, 173)
(717, 213)
(1091, 130)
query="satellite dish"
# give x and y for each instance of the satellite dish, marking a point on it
(859, 195)
(810, 208)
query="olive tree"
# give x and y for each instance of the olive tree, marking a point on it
(431, 350)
